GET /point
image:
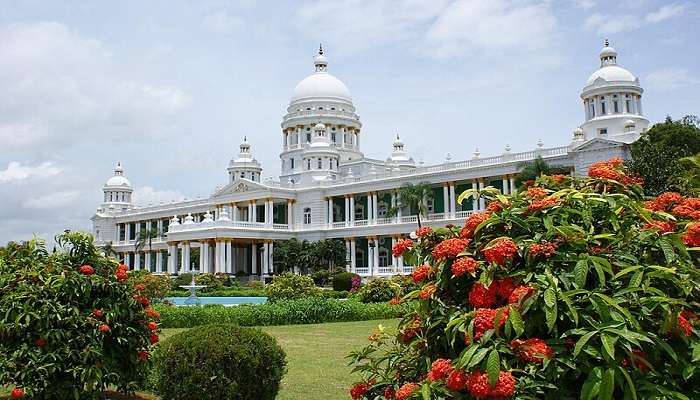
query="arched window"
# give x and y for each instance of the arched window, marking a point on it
(308, 164)
(292, 163)
(591, 106)
(603, 109)
(320, 163)
(383, 257)
(628, 104)
(307, 216)
(616, 105)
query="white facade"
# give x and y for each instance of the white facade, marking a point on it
(329, 190)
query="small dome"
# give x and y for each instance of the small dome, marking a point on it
(608, 51)
(319, 127)
(117, 181)
(612, 73)
(578, 131)
(321, 85)
(629, 122)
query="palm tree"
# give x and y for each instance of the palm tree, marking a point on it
(145, 237)
(108, 250)
(531, 170)
(415, 197)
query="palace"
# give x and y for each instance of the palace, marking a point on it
(328, 189)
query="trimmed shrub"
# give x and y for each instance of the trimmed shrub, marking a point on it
(289, 286)
(332, 294)
(182, 279)
(219, 362)
(70, 324)
(225, 292)
(346, 281)
(155, 287)
(255, 284)
(288, 312)
(572, 288)
(212, 281)
(321, 277)
(379, 290)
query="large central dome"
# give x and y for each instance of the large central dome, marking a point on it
(321, 85)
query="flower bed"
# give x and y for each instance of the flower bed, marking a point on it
(573, 288)
(292, 312)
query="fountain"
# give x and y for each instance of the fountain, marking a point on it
(192, 300)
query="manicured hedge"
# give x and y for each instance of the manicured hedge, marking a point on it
(291, 312)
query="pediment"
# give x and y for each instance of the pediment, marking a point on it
(241, 186)
(598, 144)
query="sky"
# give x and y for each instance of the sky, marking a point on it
(169, 88)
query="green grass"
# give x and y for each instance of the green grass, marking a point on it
(316, 365)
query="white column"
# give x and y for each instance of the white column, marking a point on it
(137, 261)
(254, 258)
(127, 234)
(265, 258)
(475, 203)
(270, 212)
(217, 256)
(505, 185)
(347, 211)
(255, 212)
(352, 210)
(170, 259)
(446, 200)
(375, 255)
(347, 252)
(186, 265)
(353, 255)
(482, 201)
(250, 212)
(330, 212)
(511, 181)
(369, 207)
(453, 201)
(228, 257)
(394, 260)
(375, 208)
(271, 256)
(159, 261)
(174, 256)
(399, 210)
(234, 211)
(147, 261)
(290, 215)
(201, 258)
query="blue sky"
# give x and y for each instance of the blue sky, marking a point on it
(170, 87)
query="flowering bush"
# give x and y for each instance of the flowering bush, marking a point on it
(378, 290)
(154, 287)
(289, 286)
(70, 326)
(347, 281)
(590, 294)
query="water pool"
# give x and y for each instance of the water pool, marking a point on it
(226, 301)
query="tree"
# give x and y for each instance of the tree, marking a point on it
(688, 181)
(330, 253)
(294, 255)
(108, 250)
(414, 197)
(655, 156)
(531, 170)
(145, 237)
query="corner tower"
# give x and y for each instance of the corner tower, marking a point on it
(320, 98)
(244, 166)
(117, 191)
(612, 101)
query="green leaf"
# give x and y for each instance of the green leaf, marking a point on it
(582, 342)
(551, 316)
(570, 306)
(550, 297)
(493, 367)
(581, 273)
(591, 387)
(636, 279)
(477, 358)
(608, 341)
(425, 391)
(607, 385)
(516, 320)
(696, 352)
(630, 383)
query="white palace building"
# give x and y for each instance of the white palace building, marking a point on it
(328, 189)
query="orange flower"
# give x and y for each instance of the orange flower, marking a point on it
(449, 248)
(428, 291)
(464, 265)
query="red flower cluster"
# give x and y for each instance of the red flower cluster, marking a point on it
(478, 385)
(532, 350)
(450, 248)
(457, 380)
(86, 270)
(440, 369)
(472, 223)
(410, 331)
(389, 392)
(495, 206)
(152, 326)
(638, 358)
(427, 291)
(536, 192)
(121, 272)
(401, 247)
(98, 313)
(154, 338)
(676, 204)
(558, 178)
(395, 301)
(143, 356)
(607, 169)
(421, 273)
(41, 342)
(142, 299)
(140, 287)
(520, 293)
(359, 390)
(151, 313)
(481, 296)
(464, 265)
(406, 391)
(17, 393)
(501, 251)
(423, 231)
(661, 226)
(542, 204)
(691, 237)
(485, 319)
(104, 328)
(685, 325)
(546, 249)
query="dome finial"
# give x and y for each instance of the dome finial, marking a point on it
(607, 42)
(245, 138)
(320, 49)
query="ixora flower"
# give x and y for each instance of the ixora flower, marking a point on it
(401, 247)
(395, 301)
(152, 326)
(86, 270)
(481, 296)
(457, 380)
(661, 226)
(638, 360)
(440, 369)
(520, 293)
(536, 192)
(104, 328)
(473, 222)
(421, 273)
(684, 325)
(140, 287)
(98, 313)
(532, 350)
(478, 385)
(542, 204)
(151, 313)
(449, 248)
(17, 393)
(359, 390)
(464, 265)
(427, 291)
(406, 391)
(691, 237)
(389, 392)
(423, 231)
(546, 249)
(154, 338)
(500, 251)
(143, 356)
(606, 169)
(485, 319)
(41, 342)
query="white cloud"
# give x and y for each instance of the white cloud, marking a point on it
(52, 200)
(438, 28)
(670, 79)
(605, 24)
(222, 22)
(665, 12)
(15, 171)
(147, 195)
(585, 4)
(60, 87)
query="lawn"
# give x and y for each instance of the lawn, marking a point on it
(317, 367)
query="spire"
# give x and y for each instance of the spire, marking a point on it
(320, 61)
(608, 55)
(320, 49)
(118, 170)
(605, 44)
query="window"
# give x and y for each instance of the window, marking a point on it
(603, 131)
(628, 105)
(383, 258)
(242, 174)
(603, 111)
(292, 161)
(592, 109)
(320, 108)
(333, 136)
(308, 137)
(307, 216)
(616, 105)
(320, 163)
